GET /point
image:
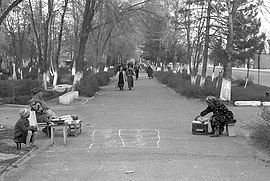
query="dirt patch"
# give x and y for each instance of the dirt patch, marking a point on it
(8, 152)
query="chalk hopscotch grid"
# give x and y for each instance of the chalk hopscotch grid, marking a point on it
(131, 132)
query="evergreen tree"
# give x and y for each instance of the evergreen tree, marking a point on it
(246, 35)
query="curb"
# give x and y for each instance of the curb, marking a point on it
(252, 103)
(15, 105)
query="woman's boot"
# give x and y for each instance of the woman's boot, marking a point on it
(213, 130)
(216, 133)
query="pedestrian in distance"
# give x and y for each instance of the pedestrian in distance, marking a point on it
(137, 70)
(120, 79)
(149, 71)
(23, 132)
(130, 74)
(221, 115)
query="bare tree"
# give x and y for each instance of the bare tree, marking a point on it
(5, 13)
(56, 59)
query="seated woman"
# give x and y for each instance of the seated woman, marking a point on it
(221, 115)
(43, 112)
(23, 132)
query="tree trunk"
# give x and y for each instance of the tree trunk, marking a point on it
(45, 80)
(213, 73)
(225, 92)
(193, 79)
(55, 77)
(247, 79)
(206, 45)
(89, 12)
(56, 61)
(46, 42)
(40, 56)
(188, 41)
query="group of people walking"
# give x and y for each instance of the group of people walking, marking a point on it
(126, 75)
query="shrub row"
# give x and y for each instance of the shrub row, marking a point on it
(91, 82)
(19, 92)
(181, 84)
(10, 88)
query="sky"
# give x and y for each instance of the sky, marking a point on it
(265, 18)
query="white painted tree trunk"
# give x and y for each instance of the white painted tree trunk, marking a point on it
(20, 70)
(225, 92)
(55, 77)
(45, 80)
(188, 69)
(73, 70)
(213, 76)
(193, 79)
(246, 83)
(202, 81)
(77, 78)
(48, 76)
(14, 72)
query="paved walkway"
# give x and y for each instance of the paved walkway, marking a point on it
(143, 135)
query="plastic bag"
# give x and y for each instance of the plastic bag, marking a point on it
(33, 119)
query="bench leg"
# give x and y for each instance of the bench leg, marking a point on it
(65, 135)
(19, 146)
(52, 135)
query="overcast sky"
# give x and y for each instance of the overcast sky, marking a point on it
(265, 18)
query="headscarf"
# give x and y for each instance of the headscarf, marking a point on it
(211, 100)
(38, 98)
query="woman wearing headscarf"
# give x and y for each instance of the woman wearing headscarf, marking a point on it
(221, 115)
(121, 78)
(43, 112)
(130, 74)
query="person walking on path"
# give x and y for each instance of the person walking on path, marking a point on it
(130, 74)
(149, 72)
(23, 132)
(221, 115)
(137, 70)
(120, 78)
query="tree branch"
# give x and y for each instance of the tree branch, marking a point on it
(14, 4)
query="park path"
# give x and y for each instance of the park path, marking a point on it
(143, 135)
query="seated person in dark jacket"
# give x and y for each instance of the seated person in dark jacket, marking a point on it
(23, 132)
(221, 115)
(43, 112)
